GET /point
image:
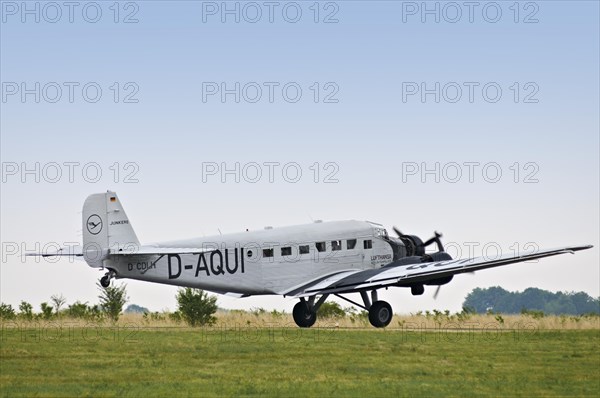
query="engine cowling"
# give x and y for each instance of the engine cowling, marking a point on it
(439, 281)
(413, 245)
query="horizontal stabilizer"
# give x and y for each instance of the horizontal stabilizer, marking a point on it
(77, 251)
(71, 251)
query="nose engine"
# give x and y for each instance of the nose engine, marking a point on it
(413, 246)
(410, 249)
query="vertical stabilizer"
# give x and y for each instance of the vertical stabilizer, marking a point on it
(106, 228)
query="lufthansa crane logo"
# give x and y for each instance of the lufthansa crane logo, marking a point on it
(94, 224)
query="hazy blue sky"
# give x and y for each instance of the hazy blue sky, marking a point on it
(375, 92)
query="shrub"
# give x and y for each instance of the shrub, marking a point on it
(196, 307)
(277, 314)
(58, 301)
(46, 311)
(7, 312)
(331, 309)
(78, 310)
(535, 314)
(175, 316)
(112, 300)
(26, 310)
(258, 311)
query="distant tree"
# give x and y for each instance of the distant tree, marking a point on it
(196, 307)
(531, 300)
(483, 300)
(136, 309)
(535, 299)
(78, 310)
(584, 304)
(7, 312)
(112, 300)
(46, 311)
(331, 309)
(58, 302)
(26, 310)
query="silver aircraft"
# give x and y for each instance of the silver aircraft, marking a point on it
(309, 262)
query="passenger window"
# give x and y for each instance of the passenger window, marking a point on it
(368, 244)
(350, 244)
(267, 252)
(304, 249)
(320, 246)
(286, 251)
(336, 245)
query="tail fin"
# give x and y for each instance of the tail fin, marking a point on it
(105, 228)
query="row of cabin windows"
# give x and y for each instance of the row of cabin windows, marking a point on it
(320, 246)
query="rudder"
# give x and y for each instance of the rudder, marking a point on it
(106, 228)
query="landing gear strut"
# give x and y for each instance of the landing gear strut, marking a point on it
(380, 312)
(105, 280)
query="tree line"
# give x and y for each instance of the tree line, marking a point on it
(194, 306)
(498, 300)
(111, 302)
(197, 308)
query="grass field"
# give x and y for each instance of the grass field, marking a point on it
(132, 359)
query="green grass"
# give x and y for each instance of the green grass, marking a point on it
(297, 362)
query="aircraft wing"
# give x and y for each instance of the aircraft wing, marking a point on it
(402, 275)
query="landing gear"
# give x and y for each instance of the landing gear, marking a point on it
(303, 315)
(305, 312)
(380, 314)
(105, 280)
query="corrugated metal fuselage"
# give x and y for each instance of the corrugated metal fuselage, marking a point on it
(270, 261)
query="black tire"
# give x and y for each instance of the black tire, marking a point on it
(303, 316)
(104, 282)
(380, 314)
(417, 290)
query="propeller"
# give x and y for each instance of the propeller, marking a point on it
(435, 239)
(437, 290)
(415, 245)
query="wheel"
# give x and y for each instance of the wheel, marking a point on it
(380, 314)
(105, 281)
(304, 317)
(417, 290)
